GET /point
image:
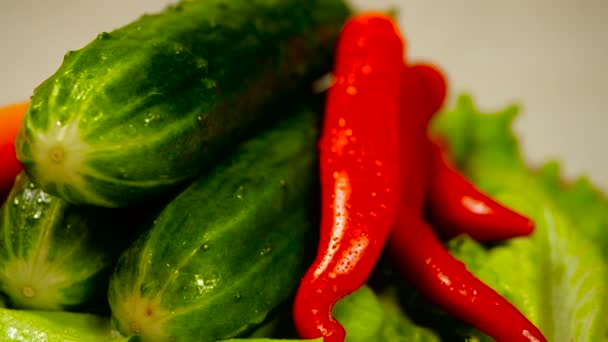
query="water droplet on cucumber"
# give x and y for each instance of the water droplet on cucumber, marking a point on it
(43, 197)
(151, 117)
(188, 297)
(37, 213)
(28, 194)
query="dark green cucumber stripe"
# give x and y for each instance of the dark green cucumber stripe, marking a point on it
(92, 173)
(60, 262)
(7, 241)
(176, 127)
(69, 191)
(44, 236)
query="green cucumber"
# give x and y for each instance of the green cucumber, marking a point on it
(229, 249)
(143, 110)
(54, 255)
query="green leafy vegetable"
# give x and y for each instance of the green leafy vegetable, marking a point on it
(557, 276)
(367, 317)
(56, 326)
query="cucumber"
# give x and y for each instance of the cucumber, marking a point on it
(145, 109)
(54, 255)
(230, 248)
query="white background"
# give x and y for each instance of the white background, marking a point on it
(551, 56)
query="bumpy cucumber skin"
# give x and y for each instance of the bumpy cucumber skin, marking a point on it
(54, 255)
(230, 248)
(149, 106)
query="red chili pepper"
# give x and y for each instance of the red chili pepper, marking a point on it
(445, 281)
(455, 206)
(10, 123)
(359, 168)
(417, 251)
(423, 91)
(429, 85)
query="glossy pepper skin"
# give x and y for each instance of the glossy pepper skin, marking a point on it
(359, 171)
(456, 206)
(417, 251)
(445, 281)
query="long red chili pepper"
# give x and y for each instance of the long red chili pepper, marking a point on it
(419, 254)
(456, 206)
(359, 168)
(445, 281)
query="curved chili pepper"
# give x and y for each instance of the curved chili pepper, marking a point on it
(417, 251)
(359, 169)
(445, 281)
(456, 206)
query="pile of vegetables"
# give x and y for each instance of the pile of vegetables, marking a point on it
(182, 182)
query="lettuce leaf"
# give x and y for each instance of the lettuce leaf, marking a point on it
(56, 326)
(367, 317)
(557, 276)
